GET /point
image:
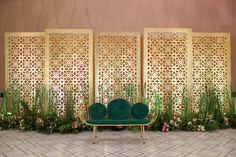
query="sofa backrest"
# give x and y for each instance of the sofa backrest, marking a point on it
(118, 109)
(97, 111)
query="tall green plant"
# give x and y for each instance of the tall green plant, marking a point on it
(129, 92)
(4, 101)
(169, 110)
(186, 110)
(69, 106)
(145, 89)
(230, 110)
(209, 103)
(157, 103)
(36, 109)
(100, 90)
(11, 101)
(45, 102)
(37, 102)
(228, 102)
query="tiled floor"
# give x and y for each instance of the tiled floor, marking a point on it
(123, 143)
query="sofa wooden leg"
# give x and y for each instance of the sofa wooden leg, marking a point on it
(96, 129)
(94, 133)
(141, 131)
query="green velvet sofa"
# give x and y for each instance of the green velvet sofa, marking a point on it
(119, 112)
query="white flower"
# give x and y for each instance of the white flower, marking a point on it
(171, 122)
(176, 124)
(1, 116)
(210, 116)
(197, 110)
(8, 113)
(21, 124)
(203, 128)
(189, 123)
(179, 120)
(194, 120)
(199, 128)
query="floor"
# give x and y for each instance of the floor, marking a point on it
(119, 143)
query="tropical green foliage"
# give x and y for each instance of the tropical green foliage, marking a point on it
(210, 115)
(41, 112)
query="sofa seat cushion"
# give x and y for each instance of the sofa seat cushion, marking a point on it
(97, 111)
(118, 121)
(140, 110)
(119, 109)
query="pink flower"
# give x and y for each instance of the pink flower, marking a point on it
(119, 126)
(194, 120)
(175, 114)
(19, 117)
(74, 125)
(226, 121)
(40, 121)
(165, 127)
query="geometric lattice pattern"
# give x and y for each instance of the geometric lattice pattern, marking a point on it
(166, 57)
(70, 62)
(117, 65)
(211, 63)
(173, 60)
(25, 62)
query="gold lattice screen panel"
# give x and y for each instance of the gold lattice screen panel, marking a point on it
(167, 53)
(211, 64)
(117, 65)
(25, 62)
(70, 62)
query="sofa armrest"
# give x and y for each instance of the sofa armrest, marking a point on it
(152, 117)
(83, 113)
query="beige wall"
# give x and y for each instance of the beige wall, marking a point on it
(117, 15)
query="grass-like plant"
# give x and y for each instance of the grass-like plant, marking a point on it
(69, 106)
(10, 109)
(41, 113)
(165, 114)
(157, 103)
(129, 90)
(210, 114)
(186, 109)
(209, 103)
(11, 101)
(168, 113)
(228, 110)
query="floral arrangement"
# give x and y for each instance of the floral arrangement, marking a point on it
(165, 127)
(210, 115)
(43, 116)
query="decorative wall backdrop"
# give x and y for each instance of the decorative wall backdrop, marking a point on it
(167, 54)
(117, 16)
(25, 62)
(70, 64)
(117, 65)
(211, 64)
(173, 61)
